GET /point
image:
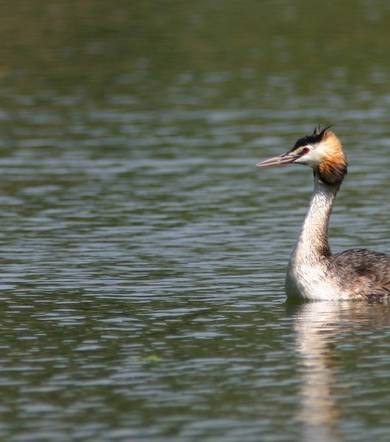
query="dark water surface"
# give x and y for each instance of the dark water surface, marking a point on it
(143, 255)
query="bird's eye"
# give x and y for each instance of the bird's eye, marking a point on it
(305, 150)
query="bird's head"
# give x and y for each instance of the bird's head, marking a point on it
(321, 150)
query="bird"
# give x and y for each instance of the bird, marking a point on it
(314, 273)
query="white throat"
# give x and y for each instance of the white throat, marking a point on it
(308, 263)
(313, 239)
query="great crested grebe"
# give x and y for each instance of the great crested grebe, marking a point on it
(313, 272)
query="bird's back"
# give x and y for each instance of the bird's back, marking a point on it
(363, 273)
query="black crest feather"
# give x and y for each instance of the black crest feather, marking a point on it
(314, 138)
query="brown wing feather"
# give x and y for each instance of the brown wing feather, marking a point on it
(363, 272)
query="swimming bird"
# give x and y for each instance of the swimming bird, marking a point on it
(314, 273)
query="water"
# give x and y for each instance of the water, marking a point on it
(143, 255)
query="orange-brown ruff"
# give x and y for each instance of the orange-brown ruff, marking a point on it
(314, 273)
(333, 165)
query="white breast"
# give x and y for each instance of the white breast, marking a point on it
(310, 283)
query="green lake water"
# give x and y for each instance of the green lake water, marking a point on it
(143, 254)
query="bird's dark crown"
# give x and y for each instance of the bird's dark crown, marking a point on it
(314, 138)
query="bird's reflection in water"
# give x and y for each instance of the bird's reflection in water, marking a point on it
(318, 326)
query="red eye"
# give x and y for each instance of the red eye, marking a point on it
(305, 150)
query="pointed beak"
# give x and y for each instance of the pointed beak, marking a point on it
(286, 158)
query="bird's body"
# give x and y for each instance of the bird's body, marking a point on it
(313, 272)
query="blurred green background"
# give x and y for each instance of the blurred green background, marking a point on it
(172, 53)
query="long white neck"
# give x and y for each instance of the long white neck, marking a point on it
(313, 240)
